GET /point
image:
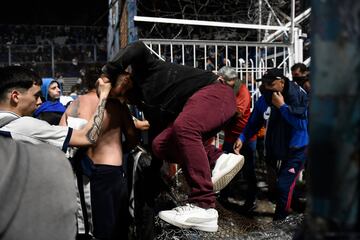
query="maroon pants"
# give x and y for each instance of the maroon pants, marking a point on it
(184, 140)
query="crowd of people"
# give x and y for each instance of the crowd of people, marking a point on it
(184, 108)
(35, 46)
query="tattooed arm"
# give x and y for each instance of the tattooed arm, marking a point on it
(93, 133)
(90, 133)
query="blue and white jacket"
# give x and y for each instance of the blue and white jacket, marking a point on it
(286, 127)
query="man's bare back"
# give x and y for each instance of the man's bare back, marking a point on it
(117, 121)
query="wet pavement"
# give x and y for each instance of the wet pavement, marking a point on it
(233, 224)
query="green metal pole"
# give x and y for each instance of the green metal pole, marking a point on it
(333, 208)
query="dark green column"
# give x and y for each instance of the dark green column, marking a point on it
(334, 119)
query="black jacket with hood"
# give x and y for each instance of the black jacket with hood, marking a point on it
(162, 87)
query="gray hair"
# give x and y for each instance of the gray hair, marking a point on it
(228, 73)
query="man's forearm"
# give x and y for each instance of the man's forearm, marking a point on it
(93, 133)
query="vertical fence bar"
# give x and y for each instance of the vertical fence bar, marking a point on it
(275, 55)
(9, 54)
(226, 56)
(205, 57)
(216, 57)
(266, 57)
(52, 60)
(247, 63)
(159, 49)
(183, 54)
(194, 55)
(95, 53)
(237, 59)
(171, 53)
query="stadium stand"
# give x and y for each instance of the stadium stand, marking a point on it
(39, 46)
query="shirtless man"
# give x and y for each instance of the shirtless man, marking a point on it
(108, 184)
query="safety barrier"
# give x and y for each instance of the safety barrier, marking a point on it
(250, 59)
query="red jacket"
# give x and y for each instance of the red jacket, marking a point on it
(243, 101)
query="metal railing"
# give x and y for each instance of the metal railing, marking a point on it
(48, 59)
(249, 59)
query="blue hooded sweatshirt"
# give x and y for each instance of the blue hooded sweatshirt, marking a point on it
(286, 126)
(48, 106)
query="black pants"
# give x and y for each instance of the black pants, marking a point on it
(109, 202)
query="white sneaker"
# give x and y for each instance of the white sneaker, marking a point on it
(191, 216)
(226, 168)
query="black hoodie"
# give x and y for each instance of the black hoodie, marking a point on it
(163, 87)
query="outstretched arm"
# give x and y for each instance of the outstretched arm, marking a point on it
(90, 133)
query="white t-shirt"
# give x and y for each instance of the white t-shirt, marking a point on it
(36, 131)
(74, 123)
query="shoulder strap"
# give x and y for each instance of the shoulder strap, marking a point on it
(5, 134)
(7, 118)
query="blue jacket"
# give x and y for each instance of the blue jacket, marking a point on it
(45, 87)
(286, 127)
(48, 106)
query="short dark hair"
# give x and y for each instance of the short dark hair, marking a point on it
(17, 77)
(92, 73)
(302, 67)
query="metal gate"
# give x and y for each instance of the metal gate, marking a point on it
(249, 59)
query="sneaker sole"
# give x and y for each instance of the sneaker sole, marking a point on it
(224, 180)
(170, 221)
(204, 227)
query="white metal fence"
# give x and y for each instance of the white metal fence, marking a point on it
(249, 59)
